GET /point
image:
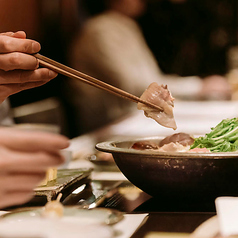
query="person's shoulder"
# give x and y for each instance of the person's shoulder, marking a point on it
(98, 21)
(108, 20)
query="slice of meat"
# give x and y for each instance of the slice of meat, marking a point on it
(173, 147)
(145, 145)
(160, 96)
(200, 150)
(181, 138)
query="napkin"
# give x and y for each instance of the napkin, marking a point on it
(227, 213)
(127, 226)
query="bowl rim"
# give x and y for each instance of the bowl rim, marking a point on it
(110, 147)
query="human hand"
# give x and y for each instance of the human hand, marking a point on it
(24, 158)
(19, 70)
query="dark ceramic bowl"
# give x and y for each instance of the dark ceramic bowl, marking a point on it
(176, 175)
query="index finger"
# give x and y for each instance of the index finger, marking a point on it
(10, 44)
(18, 34)
(23, 140)
(19, 162)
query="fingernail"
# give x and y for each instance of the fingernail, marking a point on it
(37, 64)
(52, 74)
(36, 47)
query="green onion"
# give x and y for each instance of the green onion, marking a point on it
(222, 138)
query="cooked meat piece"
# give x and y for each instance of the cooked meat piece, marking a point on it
(173, 147)
(200, 150)
(145, 145)
(161, 96)
(181, 138)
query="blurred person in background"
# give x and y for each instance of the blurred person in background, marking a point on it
(194, 37)
(191, 37)
(112, 48)
(24, 156)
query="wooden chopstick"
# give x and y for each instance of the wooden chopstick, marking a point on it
(75, 74)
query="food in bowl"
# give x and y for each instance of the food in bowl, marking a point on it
(222, 138)
(178, 142)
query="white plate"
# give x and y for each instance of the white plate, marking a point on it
(70, 227)
(96, 215)
(75, 223)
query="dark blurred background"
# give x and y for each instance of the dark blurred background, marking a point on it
(190, 37)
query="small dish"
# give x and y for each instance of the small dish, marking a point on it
(70, 227)
(103, 161)
(97, 215)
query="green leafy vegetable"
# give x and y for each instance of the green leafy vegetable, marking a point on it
(222, 138)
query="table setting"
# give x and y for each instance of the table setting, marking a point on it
(193, 117)
(146, 213)
(136, 192)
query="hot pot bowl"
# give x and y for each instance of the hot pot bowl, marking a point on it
(176, 175)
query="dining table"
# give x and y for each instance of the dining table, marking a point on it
(107, 187)
(160, 218)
